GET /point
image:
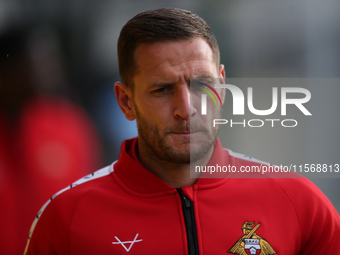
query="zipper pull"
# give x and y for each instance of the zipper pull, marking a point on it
(187, 202)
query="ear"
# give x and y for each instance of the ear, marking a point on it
(221, 75)
(124, 99)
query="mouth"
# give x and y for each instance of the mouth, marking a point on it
(185, 133)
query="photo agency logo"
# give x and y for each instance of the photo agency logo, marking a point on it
(295, 96)
(204, 87)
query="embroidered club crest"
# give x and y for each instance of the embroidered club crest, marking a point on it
(251, 243)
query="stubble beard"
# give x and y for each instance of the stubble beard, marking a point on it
(158, 148)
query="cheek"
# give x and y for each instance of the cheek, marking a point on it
(143, 106)
(153, 114)
(156, 111)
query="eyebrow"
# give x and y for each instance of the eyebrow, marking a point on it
(161, 84)
(167, 84)
(204, 76)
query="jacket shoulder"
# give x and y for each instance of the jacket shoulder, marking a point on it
(50, 228)
(319, 221)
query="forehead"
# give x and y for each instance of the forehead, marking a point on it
(188, 58)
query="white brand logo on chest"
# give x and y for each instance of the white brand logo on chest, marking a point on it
(127, 242)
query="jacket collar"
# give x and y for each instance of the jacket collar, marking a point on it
(135, 177)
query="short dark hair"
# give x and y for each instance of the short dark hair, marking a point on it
(160, 25)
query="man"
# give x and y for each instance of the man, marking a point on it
(146, 202)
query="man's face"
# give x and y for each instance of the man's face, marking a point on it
(168, 117)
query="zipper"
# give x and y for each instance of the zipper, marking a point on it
(190, 224)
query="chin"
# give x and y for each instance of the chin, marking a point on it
(185, 150)
(178, 157)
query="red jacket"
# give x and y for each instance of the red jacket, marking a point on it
(125, 208)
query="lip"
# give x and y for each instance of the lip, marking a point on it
(185, 133)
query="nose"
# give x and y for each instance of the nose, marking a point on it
(184, 108)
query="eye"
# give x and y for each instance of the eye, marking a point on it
(194, 86)
(160, 90)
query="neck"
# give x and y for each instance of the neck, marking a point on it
(175, 175)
